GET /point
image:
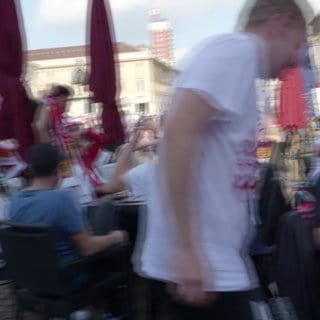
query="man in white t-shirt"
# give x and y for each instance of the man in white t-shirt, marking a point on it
(199, 217)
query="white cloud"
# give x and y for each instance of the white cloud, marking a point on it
(200, 3)
(61, 12)
(315, 5)
(182, 5)
(63, 22)
(122, 5)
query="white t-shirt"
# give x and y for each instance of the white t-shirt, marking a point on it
(223, 169)
(138, 179)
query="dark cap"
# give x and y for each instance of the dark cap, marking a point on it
(44, 159)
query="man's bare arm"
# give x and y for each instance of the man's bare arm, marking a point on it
(90, 245)
(181, 137)
(123, 165)
(112, 187)
(42, 125)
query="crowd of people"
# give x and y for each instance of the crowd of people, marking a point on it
(207, 251)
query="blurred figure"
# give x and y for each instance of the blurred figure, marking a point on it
(137, 179)
(148, 134)
(54, 127)
(314, 188)
(124, 122)
(91, 145)
(50, 122)
(88, 145)
(11, 164)
(314, 169)
(200, 214)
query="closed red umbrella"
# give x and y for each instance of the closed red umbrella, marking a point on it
(292, 102)
(102, 81)
(15, 109)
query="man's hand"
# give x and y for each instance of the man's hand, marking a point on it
(148, 144)
(136, 136)
(192, 277)
(118, 237)
(90, 245)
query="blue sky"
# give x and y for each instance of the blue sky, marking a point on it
(55, 23)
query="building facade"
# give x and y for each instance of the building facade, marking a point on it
(315, 60)
(315, 45)
(161, 37)
(143, 79)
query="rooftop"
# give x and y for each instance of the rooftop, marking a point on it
(72, 52)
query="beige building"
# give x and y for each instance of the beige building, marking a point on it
(315, 54)
(144, 79)
(316, 24)
(315, 42)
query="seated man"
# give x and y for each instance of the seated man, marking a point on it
(42, 204)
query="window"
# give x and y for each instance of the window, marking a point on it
(140, 85)
(315, 54)
(142, 108)
(78, 76)
(123, 85)
(123, 69)
(139, 68)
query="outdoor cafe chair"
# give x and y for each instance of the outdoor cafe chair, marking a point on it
(41, 287)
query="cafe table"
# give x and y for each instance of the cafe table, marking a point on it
(110, 213)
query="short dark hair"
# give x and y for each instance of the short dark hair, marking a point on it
(258, 12)
(58, 91)
(44, 159)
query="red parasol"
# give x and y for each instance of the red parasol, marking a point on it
(15, 108)
(292, 107)
(102, 81)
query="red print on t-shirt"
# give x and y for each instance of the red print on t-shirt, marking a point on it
(246, 166)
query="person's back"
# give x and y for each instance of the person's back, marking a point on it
(53, 208)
